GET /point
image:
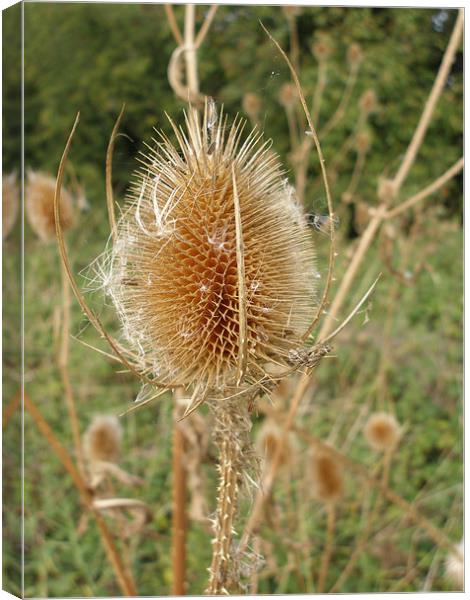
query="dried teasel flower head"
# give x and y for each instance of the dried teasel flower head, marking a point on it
(386, 190)
(268, 439)
(368, 102)
(321, 48)
(211, 273)
(10, 203)
(382, 431)
(288, 95)
(102, 440)
(354, 54)
(363, 141)
(251, 105)
(326, 476)
(39, 194)
(454, 567)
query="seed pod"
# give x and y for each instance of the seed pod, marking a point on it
(363, 141)
(102, 440)
(382, 431)
(39, 194)
(10, 203)
(326, 476)
(211, 274)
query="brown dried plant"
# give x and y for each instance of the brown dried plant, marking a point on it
(382, 431)
(39, 203)
(10, 203)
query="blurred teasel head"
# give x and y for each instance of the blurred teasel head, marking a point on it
(10, 203)
(212, 270)
(39, 202)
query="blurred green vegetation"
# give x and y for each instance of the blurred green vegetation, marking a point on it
(94, 57)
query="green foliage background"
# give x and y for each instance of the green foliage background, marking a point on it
(94, 57)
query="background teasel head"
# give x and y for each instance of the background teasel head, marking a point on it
(10, 203)
(382, 431)
(269, 437)
(102, 440)
(39, 201)
(212, 272)
(326, 476)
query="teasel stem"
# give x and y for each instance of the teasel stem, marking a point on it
(232, 424)
(178, 550)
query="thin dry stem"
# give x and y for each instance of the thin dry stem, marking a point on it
(325, 182)
(63, 360)
(175, 30)
(112, 552)
(109, 174)
(411, 511)
(94, 319)
(325, 560)
(339, 113)
(431, 102)
(427, 191)
(201, 35)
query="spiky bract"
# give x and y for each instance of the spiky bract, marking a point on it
(213, 268)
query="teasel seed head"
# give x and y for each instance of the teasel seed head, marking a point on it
(251, 105)
(326, 476)
(363, 141)
(291, 12)
(321, 48)
(382, 431)
(454, 567)
(102, 440)
(288, 95)
(268, 439)
(10, 203)
(212, 272)
(354, 54)
(368, 102)
(39, 194)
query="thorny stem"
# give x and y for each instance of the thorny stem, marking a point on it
(232, 424)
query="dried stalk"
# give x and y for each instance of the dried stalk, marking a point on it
(325, 561)
(63, 360)
(232, 426)
(173, 24)
(345, 98)
(109, 174)
(411, 511)
(112, 552)
(427, 191)
(431, 102)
